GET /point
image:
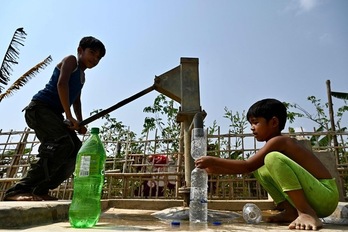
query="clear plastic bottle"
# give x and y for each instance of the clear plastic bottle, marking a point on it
(199, 178)
(85, 206)
(251, 213)
(198, 211)
(198, 143)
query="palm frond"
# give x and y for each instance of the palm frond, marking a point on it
(340, 95)
(11, 56)
(25, 77)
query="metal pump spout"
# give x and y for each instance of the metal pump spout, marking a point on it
(198, 120)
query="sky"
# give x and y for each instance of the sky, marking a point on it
(247, 50)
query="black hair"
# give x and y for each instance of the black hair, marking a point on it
(269, 108)
(92, 43)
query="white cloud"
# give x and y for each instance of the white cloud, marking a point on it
(302, 6)
(307, 5)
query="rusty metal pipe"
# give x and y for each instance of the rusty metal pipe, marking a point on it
(116, 106)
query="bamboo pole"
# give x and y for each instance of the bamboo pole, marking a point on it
(332, 120)
(334, 136)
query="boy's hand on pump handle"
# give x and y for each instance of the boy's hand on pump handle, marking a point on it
(75, 125)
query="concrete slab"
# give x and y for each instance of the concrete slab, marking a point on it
(53, 216)
(16, 214)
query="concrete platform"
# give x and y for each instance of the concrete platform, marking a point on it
(104, 227)
(124, 215)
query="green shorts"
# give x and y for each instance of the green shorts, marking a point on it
(281, 174)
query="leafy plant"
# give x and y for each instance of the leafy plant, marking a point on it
(222, 147)
(10, 58)
(20, 82)
(340, 95)
(164, 112)
(115, 135)
(320, 117)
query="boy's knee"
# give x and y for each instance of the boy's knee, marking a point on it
(272, 157)
(261, 172)
(47, 149)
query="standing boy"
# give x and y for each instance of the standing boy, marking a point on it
(59, 142)
(298, 182)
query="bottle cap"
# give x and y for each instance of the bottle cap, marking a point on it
(217, 223)
(95, 130)
(175, 223)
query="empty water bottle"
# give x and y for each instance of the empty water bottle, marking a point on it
(252, 213)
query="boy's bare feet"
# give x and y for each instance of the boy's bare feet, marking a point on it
(23, 197)
(306, 222)
(288, 213)
(29, 197)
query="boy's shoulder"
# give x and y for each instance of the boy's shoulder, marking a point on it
(282, 140)
(285, 144)
(279, 138)
(69, 60)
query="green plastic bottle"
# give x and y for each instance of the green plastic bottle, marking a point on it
(85, 206)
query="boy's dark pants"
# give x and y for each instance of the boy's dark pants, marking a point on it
(57, 152)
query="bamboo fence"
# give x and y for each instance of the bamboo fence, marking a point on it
(157, 171)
